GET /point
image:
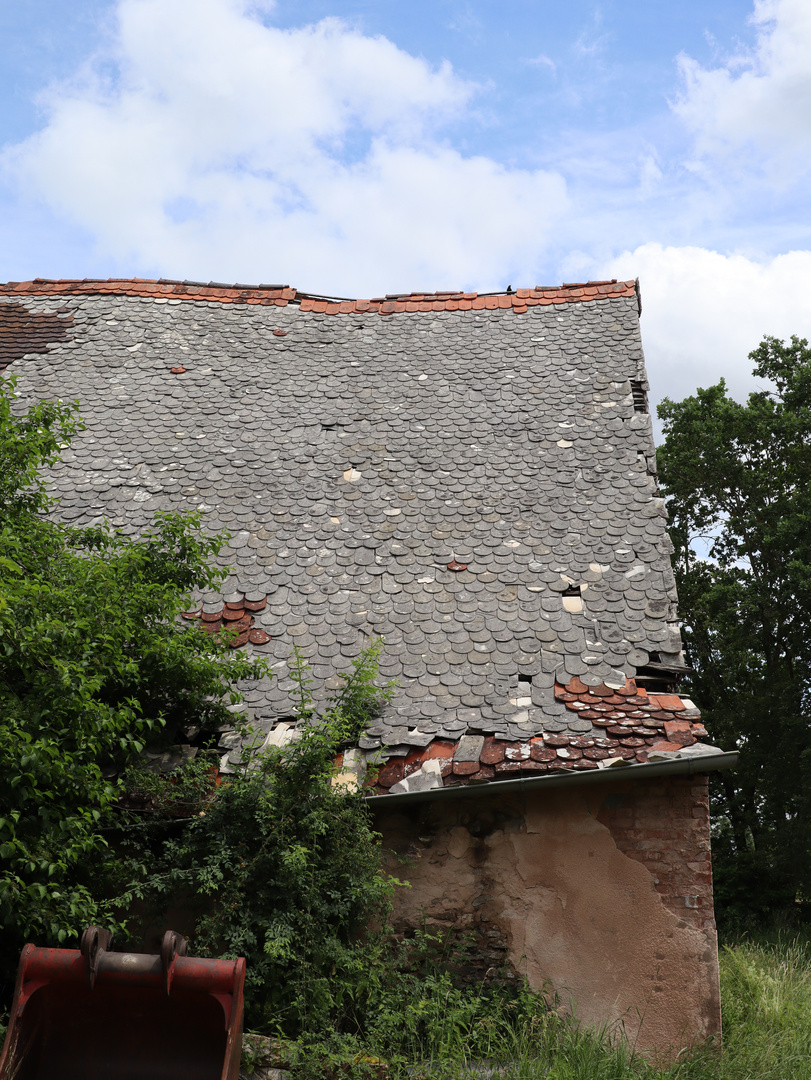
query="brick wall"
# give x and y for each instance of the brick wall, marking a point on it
(665, 825)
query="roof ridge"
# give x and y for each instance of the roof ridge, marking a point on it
(518, 300)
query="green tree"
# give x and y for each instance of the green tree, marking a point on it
(93, 662)
(738, 483)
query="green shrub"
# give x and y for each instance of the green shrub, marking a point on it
(284, 868)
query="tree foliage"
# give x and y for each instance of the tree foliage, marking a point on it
(93, 662)
(278, 863)
(283, 867)
(738, 483)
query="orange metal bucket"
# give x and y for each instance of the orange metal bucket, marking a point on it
(90, 1014)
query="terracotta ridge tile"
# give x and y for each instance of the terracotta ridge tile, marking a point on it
(518, 301)
(146, 287)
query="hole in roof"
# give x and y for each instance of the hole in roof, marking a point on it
(640, 396)
(521, 695)
(572, 590)
(658, 677)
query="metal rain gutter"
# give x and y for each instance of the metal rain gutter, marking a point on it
(687, 766)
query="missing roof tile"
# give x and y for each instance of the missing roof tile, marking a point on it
(521, 695)
(572, 600)
(640, 396)
(661, 678)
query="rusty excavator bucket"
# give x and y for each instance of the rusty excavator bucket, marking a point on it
(90, 1014)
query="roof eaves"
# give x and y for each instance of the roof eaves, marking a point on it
(693, 765)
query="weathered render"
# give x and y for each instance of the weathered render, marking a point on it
(601, 891)
(473, 479)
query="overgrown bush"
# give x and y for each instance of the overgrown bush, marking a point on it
(283, 867)
(423, 1011)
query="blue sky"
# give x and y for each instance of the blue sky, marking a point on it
(359, 148)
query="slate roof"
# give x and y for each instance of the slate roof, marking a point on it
(470, 477)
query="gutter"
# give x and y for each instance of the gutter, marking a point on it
(687, 766)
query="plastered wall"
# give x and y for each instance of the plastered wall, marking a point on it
(602, 891)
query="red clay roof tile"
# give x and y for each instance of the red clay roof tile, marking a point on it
(624, 738)
(23, 332)
(234, 617)
(492, 752)
(280, 296)
(439, 748)
(667, 701)
(391, 773)
(465, 768)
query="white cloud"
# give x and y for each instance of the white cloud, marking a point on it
(704, 312)
(544, 61)
(759, 101)
(204, 142)
(592, 40)
(224, 147)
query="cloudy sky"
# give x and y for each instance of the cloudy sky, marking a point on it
(358, 147)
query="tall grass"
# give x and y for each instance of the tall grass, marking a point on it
(766, 1007)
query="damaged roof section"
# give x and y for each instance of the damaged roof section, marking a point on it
(625, 726)
(617, 726)
(471, 478)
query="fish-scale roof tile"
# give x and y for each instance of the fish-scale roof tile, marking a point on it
(468, 475)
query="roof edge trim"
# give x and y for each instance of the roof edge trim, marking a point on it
(690, 766)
